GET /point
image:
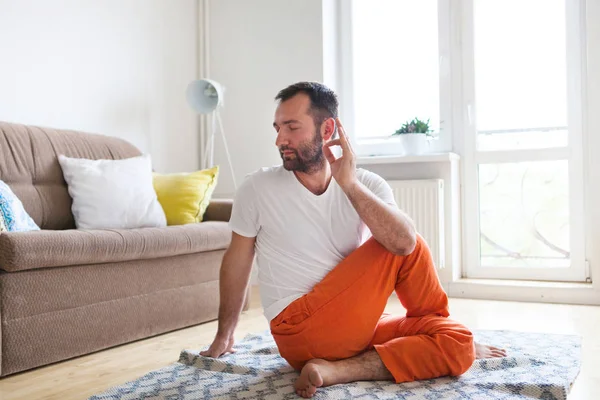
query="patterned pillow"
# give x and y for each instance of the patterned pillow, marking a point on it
(13, 217)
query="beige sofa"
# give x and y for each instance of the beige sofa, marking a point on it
(65, 292)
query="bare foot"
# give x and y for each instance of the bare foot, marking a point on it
(363, 367)
(311, 377)
(485, 351)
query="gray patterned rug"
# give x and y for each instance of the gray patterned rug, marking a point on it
(539, 366)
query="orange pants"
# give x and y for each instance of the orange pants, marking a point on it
(343, 316)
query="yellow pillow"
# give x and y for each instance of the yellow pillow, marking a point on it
(184, 197)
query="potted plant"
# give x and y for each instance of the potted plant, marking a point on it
(414, 136)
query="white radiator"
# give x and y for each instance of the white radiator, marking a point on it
(423, 201)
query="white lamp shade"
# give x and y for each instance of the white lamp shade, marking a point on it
(204, 95)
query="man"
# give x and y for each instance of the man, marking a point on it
(323, 287)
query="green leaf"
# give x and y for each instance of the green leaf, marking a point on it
(414, 126)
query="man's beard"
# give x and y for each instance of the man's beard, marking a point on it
(308, 158)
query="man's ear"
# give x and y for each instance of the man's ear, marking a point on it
(329, 129)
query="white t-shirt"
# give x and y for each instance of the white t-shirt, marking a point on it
(300, 236)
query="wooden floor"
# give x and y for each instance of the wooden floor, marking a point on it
(88, 375)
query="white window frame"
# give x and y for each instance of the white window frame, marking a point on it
(392, 146)
(578, 271)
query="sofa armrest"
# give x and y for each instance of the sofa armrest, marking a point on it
(218, 210)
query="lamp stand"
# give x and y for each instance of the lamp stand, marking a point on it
(209, 153)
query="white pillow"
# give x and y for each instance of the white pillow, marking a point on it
(112, 194)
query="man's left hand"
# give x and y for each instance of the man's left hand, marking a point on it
(343, 169)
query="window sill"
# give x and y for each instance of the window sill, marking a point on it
(424, 158)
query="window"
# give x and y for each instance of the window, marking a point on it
(520, 74)
(395, 70)
(524, 174)
(395, 59)
(502, 84)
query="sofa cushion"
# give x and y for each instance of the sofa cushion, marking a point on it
(112, 194)
(185, 196)
(41, 249)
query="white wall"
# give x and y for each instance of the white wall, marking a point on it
(116, 67)
(256, 49)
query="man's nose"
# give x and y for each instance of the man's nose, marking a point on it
(281, 140)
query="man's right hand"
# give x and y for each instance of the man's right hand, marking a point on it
(219, 347)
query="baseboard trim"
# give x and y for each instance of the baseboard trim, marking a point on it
(526, 291)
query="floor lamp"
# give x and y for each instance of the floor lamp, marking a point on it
(205, 96)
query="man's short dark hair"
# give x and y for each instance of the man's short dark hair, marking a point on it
(323, 101)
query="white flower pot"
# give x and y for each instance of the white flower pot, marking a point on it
(414, 143)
